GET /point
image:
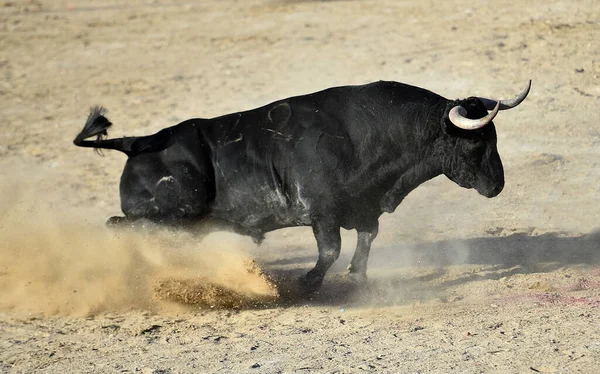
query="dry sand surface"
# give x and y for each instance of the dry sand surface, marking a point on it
(457, 282)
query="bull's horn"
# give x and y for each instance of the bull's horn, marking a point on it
(458, 113)
(507, 104)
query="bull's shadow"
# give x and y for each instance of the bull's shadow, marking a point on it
(390, 267)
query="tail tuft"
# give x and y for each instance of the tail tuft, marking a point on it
(95, 125)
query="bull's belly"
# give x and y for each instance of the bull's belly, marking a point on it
(261, 210)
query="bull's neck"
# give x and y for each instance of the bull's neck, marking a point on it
(411, 178)
(417, 155)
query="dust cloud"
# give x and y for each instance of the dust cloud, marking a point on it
(55, 262)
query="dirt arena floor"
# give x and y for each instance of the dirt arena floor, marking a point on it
(457, 282)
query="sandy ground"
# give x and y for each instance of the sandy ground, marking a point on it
(457, 282)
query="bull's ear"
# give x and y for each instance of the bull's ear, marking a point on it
(447, 126)
(445, 123)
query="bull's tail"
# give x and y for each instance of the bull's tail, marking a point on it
(97, 125)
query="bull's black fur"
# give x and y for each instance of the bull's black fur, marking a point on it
(337, 158)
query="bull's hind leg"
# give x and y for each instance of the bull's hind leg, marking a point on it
(165, 200)
(329, 243)
(358, 265)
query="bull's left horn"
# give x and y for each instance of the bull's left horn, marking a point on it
(507, 104)
(458, 113)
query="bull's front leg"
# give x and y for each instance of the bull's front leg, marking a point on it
(358, 265)
(329, 243)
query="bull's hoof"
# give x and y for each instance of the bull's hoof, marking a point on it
(310, 284)
(258, 239)
(358, 279)
(116, 221)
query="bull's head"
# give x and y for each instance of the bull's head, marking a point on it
(471, 159)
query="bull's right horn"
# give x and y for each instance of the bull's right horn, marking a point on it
(507, 104)
(458, 113)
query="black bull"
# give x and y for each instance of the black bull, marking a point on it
(336, 158)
